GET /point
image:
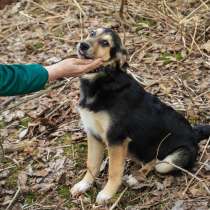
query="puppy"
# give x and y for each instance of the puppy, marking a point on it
(118, 113)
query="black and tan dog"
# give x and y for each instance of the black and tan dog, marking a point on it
(117, 112)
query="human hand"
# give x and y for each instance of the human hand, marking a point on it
(72, 67)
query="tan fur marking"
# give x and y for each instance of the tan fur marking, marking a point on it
(117, 155)
(95, 157)
(145, 170)
(103, 52)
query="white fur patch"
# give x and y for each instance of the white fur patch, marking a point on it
(165, 167)
(96, 122)
(102, 197)
(131, 180)
(80, 187)
(90, 76)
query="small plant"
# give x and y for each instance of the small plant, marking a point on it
(168, 57)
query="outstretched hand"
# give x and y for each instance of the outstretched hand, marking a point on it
(72, 67)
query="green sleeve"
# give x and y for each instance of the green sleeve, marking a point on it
(16, 79)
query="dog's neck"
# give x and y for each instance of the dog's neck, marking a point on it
(107, 70)
(97, 87)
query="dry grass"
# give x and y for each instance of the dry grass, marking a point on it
(169, 52)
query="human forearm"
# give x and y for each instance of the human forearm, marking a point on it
(18, 79)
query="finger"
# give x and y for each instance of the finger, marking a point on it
(93, 65)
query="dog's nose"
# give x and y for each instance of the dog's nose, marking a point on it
(84, 46)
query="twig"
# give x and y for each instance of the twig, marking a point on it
(57, 85)
(139, 50)
(134, 76)
(150, 205)
(8, 101)
(82, 204)
(79, 7)
(9, 167)
(19, 146)
(118, 199)
(43, 8)
(189, 173)
(191, 180)
(194, 34)
(203, 3)
(62, 146)
(14, 198)
(81, 12)
(122, 8)
(58, 107)
(170, 10)
(1, 149)
(161, 144)
(208, 91)
(207, 143)
(202, 53)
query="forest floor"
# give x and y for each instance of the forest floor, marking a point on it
(168, 43)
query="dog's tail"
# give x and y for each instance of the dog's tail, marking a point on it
(201, 132)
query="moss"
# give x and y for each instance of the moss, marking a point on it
(11, 181)
(38, 45)
(178, 56)
(25, 121)
(193, 119)
(59, 32)
(92, 193)
(30, 198)
(63, 191)
(2, 124)
(144, 23)
(7, 162)
(70, 205)
(68, 151)
(65, 139)
(81, 152)
(82, 147)
(161, 206)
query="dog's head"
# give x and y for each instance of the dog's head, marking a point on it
(103, 43)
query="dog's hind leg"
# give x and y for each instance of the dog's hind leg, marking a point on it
(146, 169)
(95, 157)
(181, 157)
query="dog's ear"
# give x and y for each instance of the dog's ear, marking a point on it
(122, 58)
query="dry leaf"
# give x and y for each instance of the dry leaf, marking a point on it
(206, 46)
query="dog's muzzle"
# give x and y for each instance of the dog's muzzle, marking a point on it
(82, 50)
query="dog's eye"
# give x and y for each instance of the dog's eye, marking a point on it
(104, 43)
(92, 33)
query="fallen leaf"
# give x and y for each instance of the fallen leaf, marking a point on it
(23, 133)
(22, 179)
(41, 173)
(206, 46)
(207, 166)
(178, 205)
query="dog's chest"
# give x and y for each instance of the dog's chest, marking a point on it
(96, 123)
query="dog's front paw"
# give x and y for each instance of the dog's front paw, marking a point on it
(103, 197)
(80, 187)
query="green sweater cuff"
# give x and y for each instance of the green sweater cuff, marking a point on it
(16, 79)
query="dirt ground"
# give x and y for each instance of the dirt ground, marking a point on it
(168, 43)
